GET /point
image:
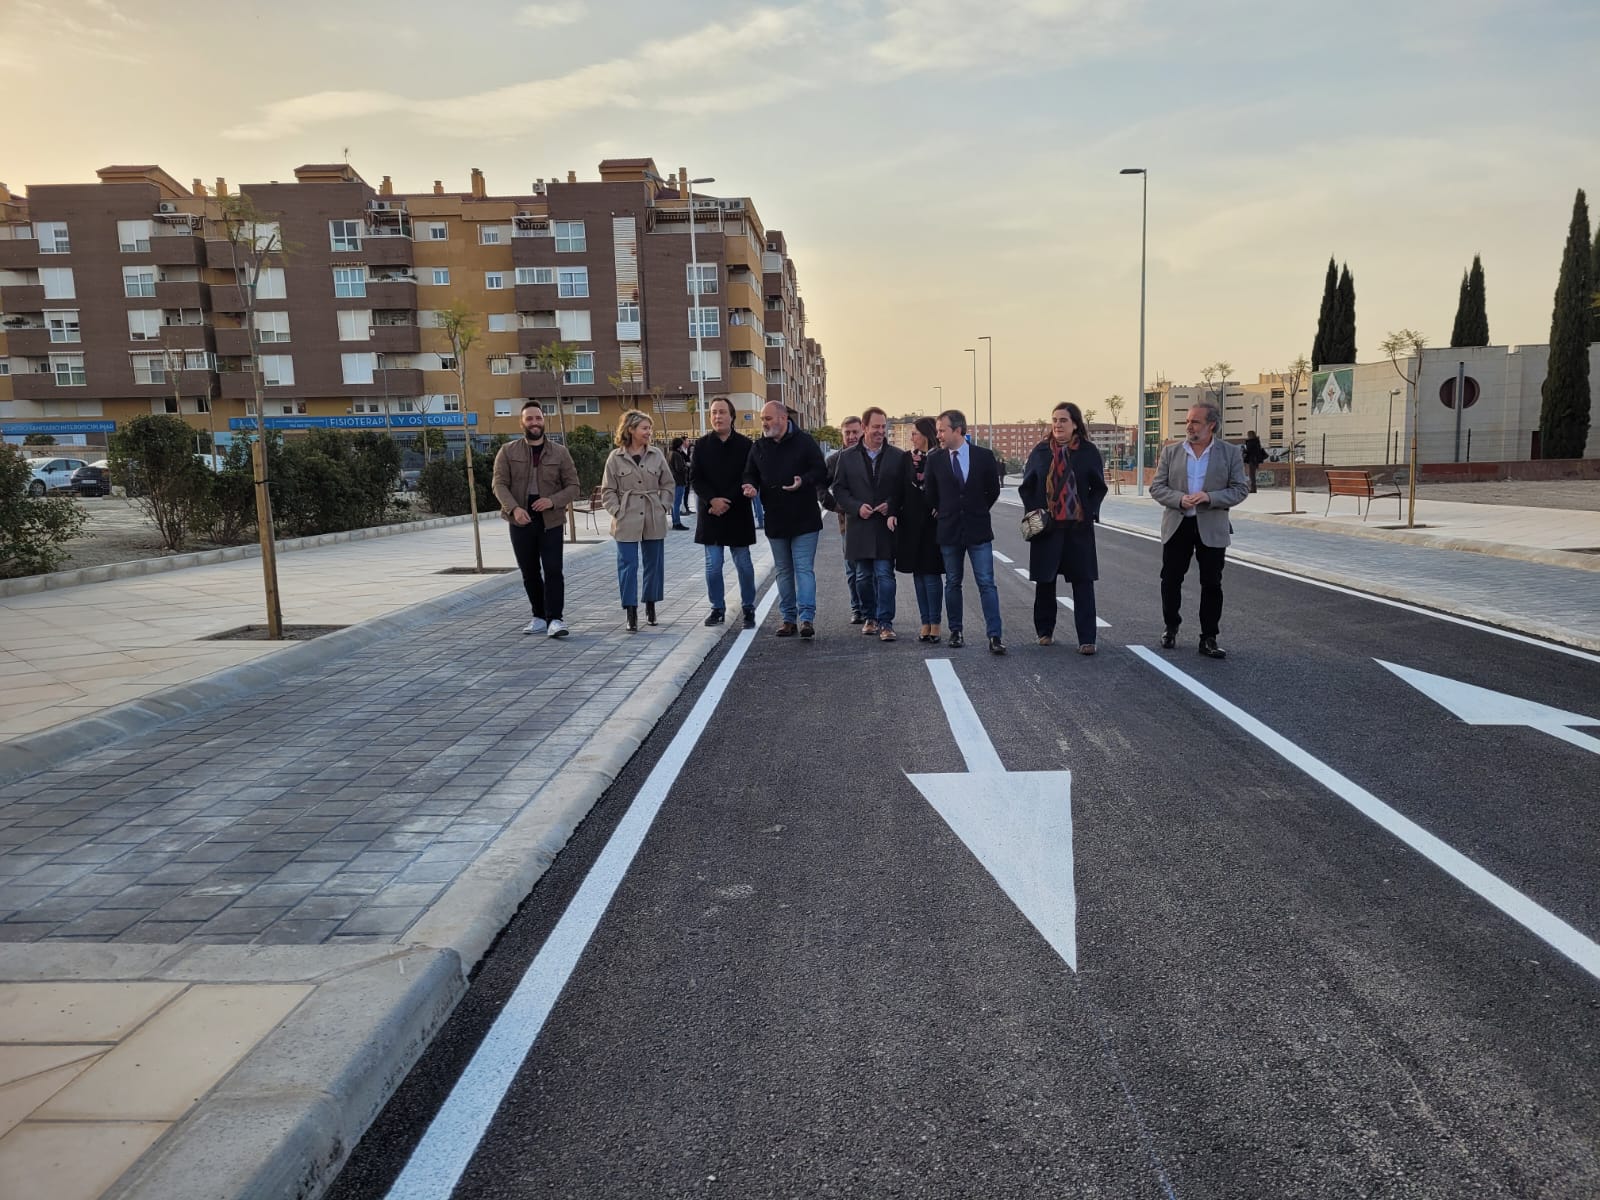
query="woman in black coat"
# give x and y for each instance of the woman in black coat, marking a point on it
(916, 552)
(1065, 478)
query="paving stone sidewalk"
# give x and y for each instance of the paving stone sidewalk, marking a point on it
(339, 805)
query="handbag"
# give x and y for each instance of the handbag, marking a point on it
(1034, 523)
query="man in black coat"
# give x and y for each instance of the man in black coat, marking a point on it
(784, 469)
(716, 474)
(962, 483)
(869, 487)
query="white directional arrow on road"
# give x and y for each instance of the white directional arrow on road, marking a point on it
(1479, 706)
(1018, 824)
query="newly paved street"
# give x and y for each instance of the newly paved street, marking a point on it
(1303, 931)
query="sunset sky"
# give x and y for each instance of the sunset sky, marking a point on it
(942, 169)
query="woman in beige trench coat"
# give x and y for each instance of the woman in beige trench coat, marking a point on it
(637, 491)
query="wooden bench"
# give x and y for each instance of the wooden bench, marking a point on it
(1361, 485)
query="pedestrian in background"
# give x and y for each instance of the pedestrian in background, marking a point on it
(916, 543)
(963, 483)
(868, 487)
(679, 462)
(637, 491)
(1196, 482)
(1065, 479)
(716, 474)
(535, 479)
(850, 432)
(1254, 455)
(784, 470)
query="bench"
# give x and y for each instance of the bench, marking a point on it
(1361, 485)
(590, 509)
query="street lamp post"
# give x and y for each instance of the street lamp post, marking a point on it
(1144, 220)
(990, 340)
(938, 393)
(694, 267)
(1388, 437)
(973, 350)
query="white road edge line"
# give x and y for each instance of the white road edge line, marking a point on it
(1003, 558)
(437, 1163)
(972, 739)
(1573, 651)
(1537, 920)
(1099, 622)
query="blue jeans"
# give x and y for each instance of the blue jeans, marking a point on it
(875, 583)
(852, 579)
(628, 571)
(930, 590)
(982, 556)
(679, 504)
(761, 513)
(742, 565)
(795, 559)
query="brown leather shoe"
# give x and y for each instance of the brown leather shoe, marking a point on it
(1046, 639)
(1086, 648)
(870, 628)
(787, 629)
(807, 629)
(886, 635)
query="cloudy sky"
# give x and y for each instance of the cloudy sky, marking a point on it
(942, 168)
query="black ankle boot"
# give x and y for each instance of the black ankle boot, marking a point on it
(650, 611)
(633, 617)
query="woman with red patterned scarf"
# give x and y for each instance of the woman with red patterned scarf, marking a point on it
(1065, 478)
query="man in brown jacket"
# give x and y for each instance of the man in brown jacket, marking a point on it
(535, 480)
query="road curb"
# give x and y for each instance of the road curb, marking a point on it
(1490, 616)
(28, 585)
(32, 753)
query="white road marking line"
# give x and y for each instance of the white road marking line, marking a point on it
(1571, 651)
(1099, 622)
(1003, 558)
(437, 1163)
(971, 737)
(1023, 571)
(1537, 920)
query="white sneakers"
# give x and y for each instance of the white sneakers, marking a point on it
(558, 628)
(537, 625)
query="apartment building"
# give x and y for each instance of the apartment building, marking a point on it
(796, 371)
(1262, 406)
(127, 296)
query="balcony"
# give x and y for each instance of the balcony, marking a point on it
(183, 295)
(227, 298)
(388, 251)
(391, 294)
(739, 251)
(41, 385)
(529, 340)
(18, 253)
(195, 383)
(396, 339)
(743, 292)
(176, 250)
(34, 342)
(534, 297)
(238, 385)
(233, 343)
(27, 298)
(184, 337)
(746, 337)
(390, 381)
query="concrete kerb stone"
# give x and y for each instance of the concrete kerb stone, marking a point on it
(32, 753)
(134, 567)
(1505, 620)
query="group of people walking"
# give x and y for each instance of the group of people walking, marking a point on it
(923, 512)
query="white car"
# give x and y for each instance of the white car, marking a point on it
(52, 474)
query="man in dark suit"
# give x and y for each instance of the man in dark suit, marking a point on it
(962, 483)
(868, 484)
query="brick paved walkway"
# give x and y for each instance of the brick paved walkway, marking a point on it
(339, 805)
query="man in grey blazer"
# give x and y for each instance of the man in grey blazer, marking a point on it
(1197, 481)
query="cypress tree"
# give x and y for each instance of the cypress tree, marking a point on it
(1594, 282)
(1564, 414)
(1458, 331)
(1478, 331)
(1342, 345)
(1319, 345)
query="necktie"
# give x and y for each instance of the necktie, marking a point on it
(955, 465)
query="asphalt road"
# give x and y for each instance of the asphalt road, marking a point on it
(807, 985)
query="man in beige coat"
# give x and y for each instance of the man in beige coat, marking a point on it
(534, 480)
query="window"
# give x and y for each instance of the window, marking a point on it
(271, 284)
(52, 237)
(582, 368)
(775, 340)
(544, 319)
(277, 370)
(536, 274)
(405, 405)
(705, 364)
(703, 322)
(488, 235)
(365, 406)
(290, 408)
(63, 325)
(5, 366)
(438, 231)
(344, 235)
(197, 360)
(68, 370)
(138, 281)
(451, 403)
(357, 368)
(708, 278)
(502, 408)
(494, 280)
(133, 237)
(502, 322)
(584, 406)
(441, 276)
(447, 362)
(265, 235)
(499, 366)
(273, 326)
(574, 325)
(572, 281)
(144, 324)
(570, 237)
(1277, 422)
(349, 281)
(57, 283)
(627, 314)
(149, 368)
(355, 324)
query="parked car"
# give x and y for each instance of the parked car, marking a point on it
(409, 478)
(53, 474)
(91, 480)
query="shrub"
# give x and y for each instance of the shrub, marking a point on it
(153, 457)
(31, 531)
(331, 480)
(589, 448)
(443, 484)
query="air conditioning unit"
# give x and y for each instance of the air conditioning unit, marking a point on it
(381, 205)
(167, 206)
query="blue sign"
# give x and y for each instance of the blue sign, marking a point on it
(23, 428)
(399, 421)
